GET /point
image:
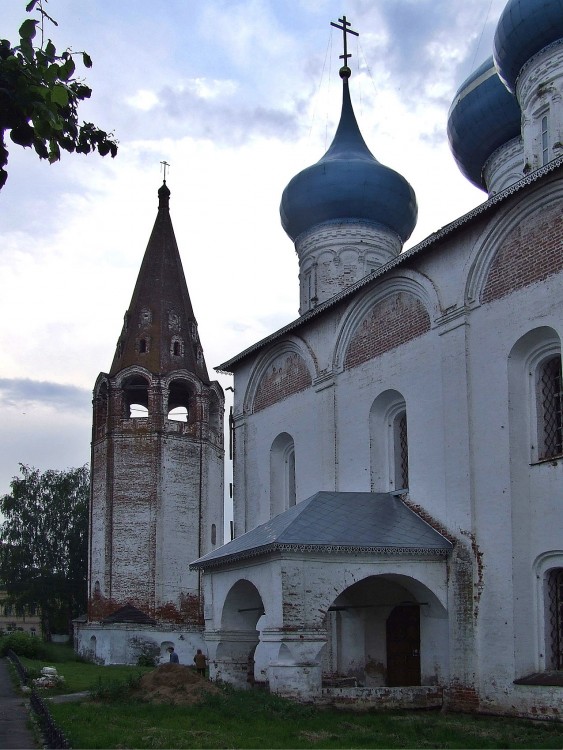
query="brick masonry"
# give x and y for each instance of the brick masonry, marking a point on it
(531, 252)
(388, 324)
(288, 374)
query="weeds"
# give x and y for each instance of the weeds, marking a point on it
(116, 690)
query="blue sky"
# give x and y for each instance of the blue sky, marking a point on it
(238, 96)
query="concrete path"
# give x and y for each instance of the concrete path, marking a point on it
(14, 715)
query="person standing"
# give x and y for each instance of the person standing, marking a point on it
(173, 655)
(200, 660)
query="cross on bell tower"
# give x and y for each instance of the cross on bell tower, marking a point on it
(345, 71)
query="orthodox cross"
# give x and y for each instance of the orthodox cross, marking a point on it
(345, 30)
(164, 165)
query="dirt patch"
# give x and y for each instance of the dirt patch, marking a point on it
(175, 684)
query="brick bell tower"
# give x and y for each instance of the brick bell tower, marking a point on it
(157, 451)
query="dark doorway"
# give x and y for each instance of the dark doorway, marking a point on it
(403, 646)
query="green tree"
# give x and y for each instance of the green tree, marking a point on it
(44, 543)
(39, 97)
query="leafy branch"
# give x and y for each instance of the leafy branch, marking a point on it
(39, 97)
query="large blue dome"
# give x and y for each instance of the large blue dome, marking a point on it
(482, 117)
(348, 183)
(524, 28)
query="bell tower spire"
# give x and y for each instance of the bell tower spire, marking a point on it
(157, 457)
(159, 329)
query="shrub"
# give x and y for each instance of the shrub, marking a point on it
(147, 650)
(145, 660)
(22, 644)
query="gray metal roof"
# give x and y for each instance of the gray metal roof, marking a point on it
(348, 522)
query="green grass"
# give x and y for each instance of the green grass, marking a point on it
(254, 719)
(79, 675)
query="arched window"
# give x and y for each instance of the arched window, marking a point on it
(401, 450)
(282, 474)
(554, 618)
(143, 346)
(389, 443)
(549, 408)
(535, 399)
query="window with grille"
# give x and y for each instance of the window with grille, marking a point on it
(555, 616)
(550, 400)
(401, 451)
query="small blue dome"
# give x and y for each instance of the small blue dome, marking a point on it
(483, 116)
(348, 183)
(524, 28)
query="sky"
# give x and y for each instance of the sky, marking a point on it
(237, 96)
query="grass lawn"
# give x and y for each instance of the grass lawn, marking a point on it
(79, 675)
(253, 719)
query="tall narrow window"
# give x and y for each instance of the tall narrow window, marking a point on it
(401, 452)
(143, 346)
(550, 411)
(544, 140)
(555, 617)
(290, 475)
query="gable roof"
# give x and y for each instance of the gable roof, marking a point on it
(349, 522)
(129, 613)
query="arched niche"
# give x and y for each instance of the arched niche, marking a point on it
(388, 429)
(282, 474)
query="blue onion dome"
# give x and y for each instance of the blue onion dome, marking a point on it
(524, 28)
(348, 183)
(483, 116)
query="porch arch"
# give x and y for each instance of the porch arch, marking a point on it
(358, 643)
(232, 651)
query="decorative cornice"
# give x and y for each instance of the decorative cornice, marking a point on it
(325, 549)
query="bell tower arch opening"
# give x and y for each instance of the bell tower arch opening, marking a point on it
(135, 394)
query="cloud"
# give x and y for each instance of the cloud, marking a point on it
(25, 393)
(429, 45)
(212, 110)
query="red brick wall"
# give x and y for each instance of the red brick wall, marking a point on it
(388, 324)
(531, 252)
(286, 375)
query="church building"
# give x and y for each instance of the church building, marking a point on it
(397, 449)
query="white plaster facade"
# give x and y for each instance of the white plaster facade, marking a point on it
(468, 384)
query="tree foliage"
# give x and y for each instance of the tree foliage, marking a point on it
(44, 542)
(39, 97)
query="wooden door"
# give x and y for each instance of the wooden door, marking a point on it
(403, 646)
